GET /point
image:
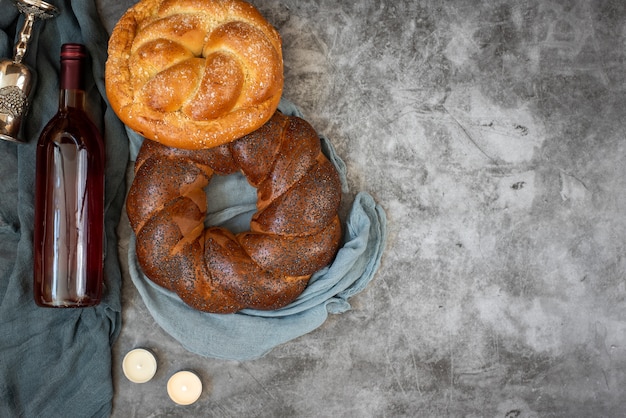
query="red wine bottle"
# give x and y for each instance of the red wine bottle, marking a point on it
(69, 197)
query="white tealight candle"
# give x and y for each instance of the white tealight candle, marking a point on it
(139, 365)
(184, 387)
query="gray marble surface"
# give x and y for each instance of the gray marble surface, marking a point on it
(493, 133)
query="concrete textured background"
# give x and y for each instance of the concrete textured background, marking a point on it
(493, 134)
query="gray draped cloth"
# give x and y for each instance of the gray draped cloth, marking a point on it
(56, 362)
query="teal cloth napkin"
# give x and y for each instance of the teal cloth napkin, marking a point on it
(56, 362)
(250, 333)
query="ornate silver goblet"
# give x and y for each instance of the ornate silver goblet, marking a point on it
(17, 79)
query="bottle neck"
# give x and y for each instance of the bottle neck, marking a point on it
(72, 93)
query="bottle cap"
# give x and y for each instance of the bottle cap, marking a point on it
(73, 51)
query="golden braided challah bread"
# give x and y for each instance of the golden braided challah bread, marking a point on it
(295, 231)
(194, 73)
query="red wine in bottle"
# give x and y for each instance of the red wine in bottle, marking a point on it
(69, 197)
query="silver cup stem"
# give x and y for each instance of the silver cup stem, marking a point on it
(32, 10)
(24, 38)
